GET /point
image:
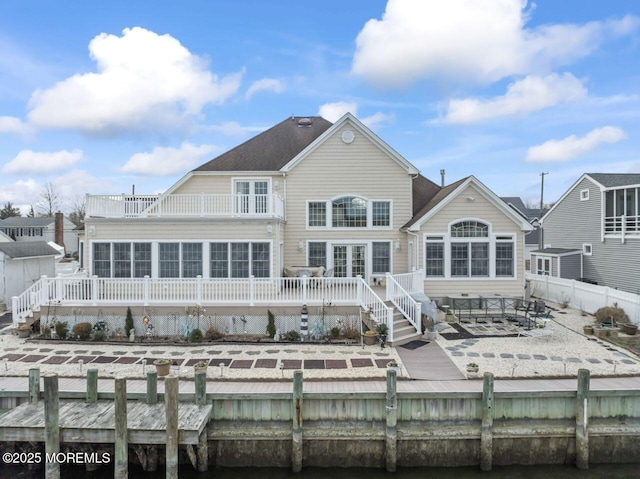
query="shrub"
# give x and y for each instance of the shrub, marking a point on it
(82, 331)
(213, 333)
(128, 322)
(271, 324)
(335, 332)
(351, 328)
(99, 336)
(605, 314)
(195, 336)
(292, 335)
(62, 329)
(382, 329)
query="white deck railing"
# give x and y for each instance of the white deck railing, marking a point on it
(622, 225)
(399, 296)
(378, 310)
(200, 205)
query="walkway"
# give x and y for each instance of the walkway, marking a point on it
(427, 361)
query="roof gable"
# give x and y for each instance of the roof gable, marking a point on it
(616, 180)
(570, 189)
(448, 193)
(356, 124)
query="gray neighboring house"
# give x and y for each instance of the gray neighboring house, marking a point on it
(22, 264)
(20, 228)
(532, 215)
(592, 233)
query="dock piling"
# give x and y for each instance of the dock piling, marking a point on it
(486, 433)
(296, 445)
(34, 385)
(92, 386)
(51, 425)
(201, 388)
(171, 410)
(121, 460)
(391, 432)
(152, 387)
(582, 419)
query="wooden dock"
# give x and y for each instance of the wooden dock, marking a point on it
(80, 422)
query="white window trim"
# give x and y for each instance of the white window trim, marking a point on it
(583, 196)
(329, 214)
(491, 239)
(585, 247)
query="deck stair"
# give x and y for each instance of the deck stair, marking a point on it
(403, 331)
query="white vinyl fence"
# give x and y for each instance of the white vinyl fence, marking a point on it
(584, 296)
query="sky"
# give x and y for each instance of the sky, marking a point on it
(96, 97)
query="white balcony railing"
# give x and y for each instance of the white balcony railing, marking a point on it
(201, 205)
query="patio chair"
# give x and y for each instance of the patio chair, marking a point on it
(522, 315)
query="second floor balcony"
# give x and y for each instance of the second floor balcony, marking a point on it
(184, 206)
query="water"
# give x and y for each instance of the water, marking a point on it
(598, 471)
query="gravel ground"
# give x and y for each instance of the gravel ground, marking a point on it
(561, 353)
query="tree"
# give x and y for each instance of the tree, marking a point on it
(49, 200)
(31, 213)
(8, 211)
(76, 215)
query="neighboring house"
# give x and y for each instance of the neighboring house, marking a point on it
(4, 238)
(22, 264)
(593, 232)
(310, 193)
(20, 228)
(532, 215)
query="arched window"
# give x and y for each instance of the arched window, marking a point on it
(349, 212)
(470, 229)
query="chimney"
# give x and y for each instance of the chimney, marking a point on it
(59, 229)
(442, 178)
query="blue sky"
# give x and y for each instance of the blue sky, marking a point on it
(96, 97)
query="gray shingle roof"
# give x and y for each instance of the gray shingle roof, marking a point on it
(432, 202)
(27, 249)
(612, 180)
(557, 251)
(21, 221)
(272, 149)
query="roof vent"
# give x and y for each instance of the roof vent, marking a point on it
(304, 122)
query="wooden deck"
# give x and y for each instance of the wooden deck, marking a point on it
(94, 423)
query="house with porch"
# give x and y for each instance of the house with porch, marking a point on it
(592, 232)
(307, 212)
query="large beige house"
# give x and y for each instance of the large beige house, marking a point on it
(308, 197)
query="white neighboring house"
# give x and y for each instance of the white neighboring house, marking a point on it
(22, 264)
(20, 229)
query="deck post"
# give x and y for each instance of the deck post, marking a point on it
(201, 388)
(171, 411)
(92, 386)
(51, 423)
(296, 446)
(486, 433)
(152, 387)
(34, 385)
(121, 447)
(391, 432)
(582, 419)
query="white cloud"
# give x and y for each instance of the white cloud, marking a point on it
(473, 40)
(572, 146)
(524, 96)
(334, 111)
(378, 119)
(164, 161)
(143, 81)
(266, 84)
(10, 124)
(42, 162)
(23, 191)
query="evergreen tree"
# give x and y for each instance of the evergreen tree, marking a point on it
(8, 211)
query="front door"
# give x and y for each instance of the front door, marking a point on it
(349, 260)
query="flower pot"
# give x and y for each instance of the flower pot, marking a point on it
(628, 328)
(163, 367)
(24, 332)
(600, 332)
(588, 329)
(369, 339)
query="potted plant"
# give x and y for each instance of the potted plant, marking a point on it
(370, 337)
(201, 366)
(629, 328)
(163, 366)
(472, 368)
(24, 331)
(588, 329)
(393, 364)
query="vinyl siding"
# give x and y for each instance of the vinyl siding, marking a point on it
(481, 209)
(570, 266)
(573, 223)
(218, 184)
(338, 169)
